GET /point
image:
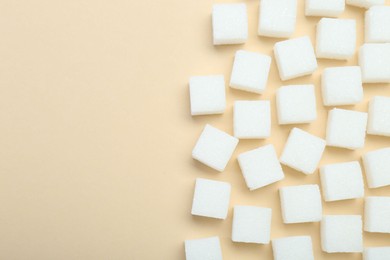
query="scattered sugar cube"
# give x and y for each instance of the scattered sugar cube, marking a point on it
(376, 253)
(203, 249)
(374, 60)
(260, 167)
(302, 151)
(295, 57)
(377, 24)
(331, 8)
(230, 23)
(379, 116)
(342, 234)
(377, 167)
(296, 104)
(377, 214)
(346, 128)
(365, 3)
(211, 198)
(207, 94)
(301, 204)
(336, 38)
(342, 86)
(251, 224)
(289, 248)
(342, 181)
(250, 71)
(214, 148)
(277, 18)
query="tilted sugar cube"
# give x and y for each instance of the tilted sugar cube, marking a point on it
(377, 167)
(376, 253)
(250, 71)
(203, 249)
(365, 3)
(289, 248)
(377, 24)
(379, 116)
(374, 60)
(330, 8)
(301, 204)
(377, 214)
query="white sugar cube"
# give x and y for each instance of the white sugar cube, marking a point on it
(336, 38)
(342, 234)
(214, 148)
(230, 23)
(376, 253)
(377, 167)
(379, 116)
(377, 214)
(290, 248)
(302, 151)
(346, 128)
(331, 8)
(342, 86)
(207, 94)
(203, 249)
(277, 18)
(342, 181)
(251, 224)
(374, 59)
(377, 24)
(250, 71)
(252, 119)
(260, 167)
(365, 3)
(295, 57)
(211, 198)
(296, 104)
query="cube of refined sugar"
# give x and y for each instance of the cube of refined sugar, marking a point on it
(336, 38)
(377, 214)
(374, 60)
(342, 234)
(376, 253)
(203, 249)
(302, 151)
(250, 71)
(377, 24)
(346, 128)
(260, 167)
(297, 247)
(377, 167)
(365, 3)
(214, 148)
(230, 23)
(211, 198)
(331, 8)
(277, 18)
(252, 119)
(296, 104)
(295, 58)
(342, 181)
(379, 116)
(251, 224)
(207, 94)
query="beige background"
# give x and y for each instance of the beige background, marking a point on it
(96, 134)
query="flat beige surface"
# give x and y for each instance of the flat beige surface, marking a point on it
(96, 133)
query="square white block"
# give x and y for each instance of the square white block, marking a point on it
(336, 38)
(346, 128)
(302, 151)
(377, 167)
(295, 57)
(296, 104)
(230, 23)
(277, 18)
(365, 3)
(251, 224)
(250, 71)
(211, 198)
(377, 214)
(252, 119)
(290, 248)
(342, 181)
(330, 8)
(260, 167)
(207, 95)
(342, 86)
(203, 249)
(214, 148)
(374, 60)
(301, 204)
(342, 234)
(379, 116)
(376, 253)
(377, 24)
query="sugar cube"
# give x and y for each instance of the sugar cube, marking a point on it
(295, 57)
(331, 8)
(377, 214)
(342, 234)
(203, 249)
(376, 253)
(251, 224)
(365, 3)
(290, 248)
(377, 167)
(379, 116)
(301, 204)
(377, 24)
(302, 151)
(374, 60)
(346, 128)
(296, 104)
(250, 71)
(260, 167)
